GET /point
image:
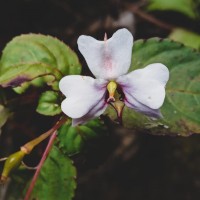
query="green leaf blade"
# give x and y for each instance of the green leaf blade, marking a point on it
(185, 7)
(34, 49)
(73, 139)
(23, 73)
(56, 179)
(186, 37)
(49, 104)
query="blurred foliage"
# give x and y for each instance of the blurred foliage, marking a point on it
(186, 37)
(4, 115)
(188, 7)
(158, 168)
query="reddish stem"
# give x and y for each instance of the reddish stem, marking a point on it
(28, 147)
(135, 9)
(44, 156)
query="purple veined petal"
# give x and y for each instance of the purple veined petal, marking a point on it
(146, 86)
(139, 107)
(108, 59)
(82, 94)
(96, 111)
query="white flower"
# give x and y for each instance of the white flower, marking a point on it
(109, 61)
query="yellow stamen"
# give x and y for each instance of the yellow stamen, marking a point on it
(111, 87)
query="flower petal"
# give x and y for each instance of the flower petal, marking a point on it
(146, 86)
(96, 111)
(83, 93)
(108, 59)
(137, 106)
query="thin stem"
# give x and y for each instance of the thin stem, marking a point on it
(3, 159)
(27, 167)
(28, 147)
(135, 9)
(44, 156)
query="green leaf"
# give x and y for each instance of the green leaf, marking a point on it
(73, 139)
(181, 109)
(186, 37)
(48, 53)
(56, 179)
(186, 7)
(49, 103)
(26, 72)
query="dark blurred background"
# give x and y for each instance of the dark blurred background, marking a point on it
(129, 165)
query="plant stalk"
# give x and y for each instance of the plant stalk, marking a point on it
(28, 147)
(44, 156)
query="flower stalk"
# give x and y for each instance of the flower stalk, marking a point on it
(28, 147)
(44, 156)
(15, 159)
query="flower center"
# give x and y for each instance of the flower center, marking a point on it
(111, 87)
(115, 97)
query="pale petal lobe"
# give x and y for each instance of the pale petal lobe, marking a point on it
(96, 111)
(146, 86)
(82, 94)
(141, 108)
(108, 59)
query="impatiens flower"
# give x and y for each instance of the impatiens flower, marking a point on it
(142, 90)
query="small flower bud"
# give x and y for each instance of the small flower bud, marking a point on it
(13, 162)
